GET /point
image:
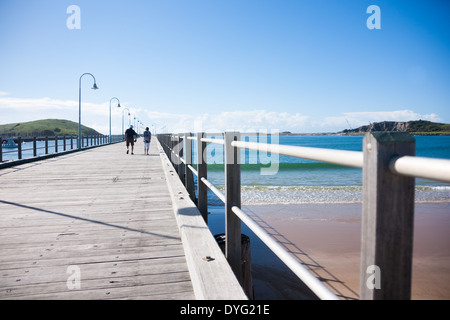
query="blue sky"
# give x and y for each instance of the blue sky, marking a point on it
(190, 65)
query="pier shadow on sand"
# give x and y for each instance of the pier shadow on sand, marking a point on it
(274, 280)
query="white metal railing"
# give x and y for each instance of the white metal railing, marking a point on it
(421, 167)
(339, 157)
(389, 168)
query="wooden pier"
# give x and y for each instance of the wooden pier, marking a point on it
(103, 224)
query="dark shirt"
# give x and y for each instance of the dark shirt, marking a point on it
(130, 133)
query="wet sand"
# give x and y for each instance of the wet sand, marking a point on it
(326, 239)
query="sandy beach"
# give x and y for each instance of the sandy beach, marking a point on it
(326, 239)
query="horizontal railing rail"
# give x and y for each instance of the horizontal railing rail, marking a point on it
(421, 167)
(47, 145)
(389, 166)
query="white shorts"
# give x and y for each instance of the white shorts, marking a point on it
(147, 145)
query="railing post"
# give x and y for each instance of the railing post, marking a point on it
(46, 145)
(233, 198)
(34, 147)
(19, 148)
(180, 152)
(171, 146)
(387, 219)
(202, 171)
(188, 159)
(1, 149)
(56, 144)
(64, 143)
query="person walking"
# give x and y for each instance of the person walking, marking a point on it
(130, 137)
(147, 140)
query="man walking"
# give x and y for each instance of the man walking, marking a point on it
(147, 139)
(130, 137)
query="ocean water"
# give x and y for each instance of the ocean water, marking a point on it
(274, 179)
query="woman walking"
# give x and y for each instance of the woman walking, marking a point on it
(147, 139)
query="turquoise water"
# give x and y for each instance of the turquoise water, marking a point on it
(294, 180)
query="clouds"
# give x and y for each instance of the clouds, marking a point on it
(96, 115)
(256, 120)
(244, 121)
(357, 119)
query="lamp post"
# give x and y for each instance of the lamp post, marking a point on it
(123, 130)
(118, 106)
(94, 87)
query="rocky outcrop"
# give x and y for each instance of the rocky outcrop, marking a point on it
(396, 126)
(380, 126)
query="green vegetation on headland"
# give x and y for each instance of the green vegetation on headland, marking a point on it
(418, 127)
(42, 128)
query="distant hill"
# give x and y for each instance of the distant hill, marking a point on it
(414, 127)
(48, 127)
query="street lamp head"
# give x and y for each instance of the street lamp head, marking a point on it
(118, 106)
(95, 86)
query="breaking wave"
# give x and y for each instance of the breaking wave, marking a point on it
(322, 194)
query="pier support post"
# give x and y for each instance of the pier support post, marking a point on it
(202, 171)
(34, 147)
(19, 148)
(387, 219)
(232, 198)
(180, 153)
(188, 158)
(175, 160)
(246, 263)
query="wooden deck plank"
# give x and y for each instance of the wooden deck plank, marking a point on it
(104, 211)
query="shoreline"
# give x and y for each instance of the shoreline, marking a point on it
(326, 238)
(301, 195)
